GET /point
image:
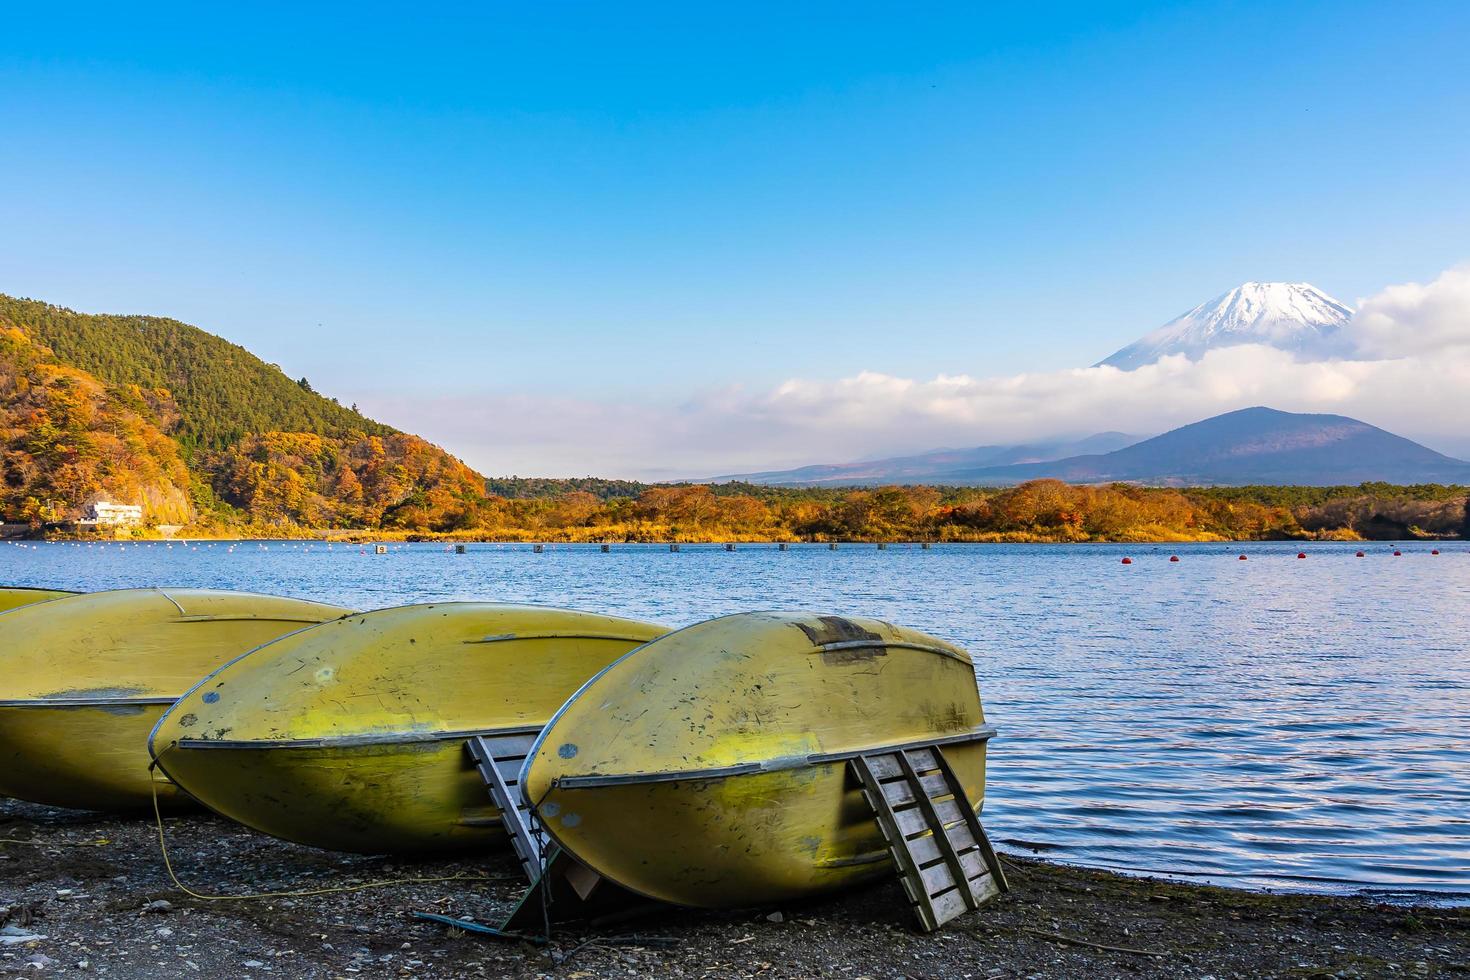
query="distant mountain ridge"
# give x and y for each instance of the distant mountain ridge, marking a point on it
(930, 467)
(1251, 446)
(1291, 316)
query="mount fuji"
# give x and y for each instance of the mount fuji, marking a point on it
(1292, 316)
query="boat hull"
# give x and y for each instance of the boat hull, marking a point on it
(84, 679)
(710, 768)
(418, 796)
(739, 840)
(84, 756)
(350, 736)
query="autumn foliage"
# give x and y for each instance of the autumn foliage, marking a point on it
(202, 433)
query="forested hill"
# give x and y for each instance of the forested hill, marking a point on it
(223, 391)
(199, 431)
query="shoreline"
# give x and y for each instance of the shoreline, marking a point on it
(92, 884)
(353, 537)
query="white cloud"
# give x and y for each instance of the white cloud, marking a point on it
(1414, 318)
(1411, 376)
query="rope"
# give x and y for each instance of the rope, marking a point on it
(47, 843)
(1057, 937)
(168, 866)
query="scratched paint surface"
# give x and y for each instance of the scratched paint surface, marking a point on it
(1280, 722)
(387, 696)
(15, 598)
(81, 679)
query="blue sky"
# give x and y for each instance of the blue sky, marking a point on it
(643, 211)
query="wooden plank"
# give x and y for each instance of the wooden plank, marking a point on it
(508, 746)
(949, 904)
(973, 864)
(884, 767)
(911, 821)
(925, 849)
(946, 812)
(510, 770)
(901, 793)
(985, 888)
(937, 878)
(960, 836)
(922, 760)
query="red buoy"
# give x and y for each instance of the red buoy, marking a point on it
(1301, 554)
(1397, 552)
(1176, 557)
(1242, 557)
(1127, 561)
(1434, 551)
(1359, 555)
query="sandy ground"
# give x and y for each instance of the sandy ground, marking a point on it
(85, 894)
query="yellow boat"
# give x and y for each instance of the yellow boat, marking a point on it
(350, 736)
(17, 596)
(710, 768)
(84, 678)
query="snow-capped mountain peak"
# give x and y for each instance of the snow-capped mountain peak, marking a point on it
(1294, 316)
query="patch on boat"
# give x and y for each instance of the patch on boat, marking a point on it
(835, 629)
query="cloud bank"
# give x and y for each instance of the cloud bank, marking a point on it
(1408, 371)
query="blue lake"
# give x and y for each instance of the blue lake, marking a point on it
(1275, 722)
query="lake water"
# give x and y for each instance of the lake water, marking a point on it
(1276, 722)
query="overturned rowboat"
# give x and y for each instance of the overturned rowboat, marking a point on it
(83, 679)
(763, 757)
(351, 735)
(16, 596)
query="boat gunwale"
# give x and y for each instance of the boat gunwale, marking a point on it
(556, 635)
(982, 733)
(86, 702)
(188, 618)
(352, 741)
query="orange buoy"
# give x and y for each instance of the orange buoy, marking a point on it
(1127, 561)
(1301, 554)
(1173, 557)
(1359, 555)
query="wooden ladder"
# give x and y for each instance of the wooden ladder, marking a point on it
(938, 846)
(499, 759)
(561, 886)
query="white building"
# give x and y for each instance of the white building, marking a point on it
(105, 512)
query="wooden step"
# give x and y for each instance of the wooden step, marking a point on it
(942, 855)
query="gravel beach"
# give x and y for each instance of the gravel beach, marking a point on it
(87, 894)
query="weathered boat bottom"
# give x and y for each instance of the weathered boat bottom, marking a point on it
(748, 837)
(391, 792)
(83, 754)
